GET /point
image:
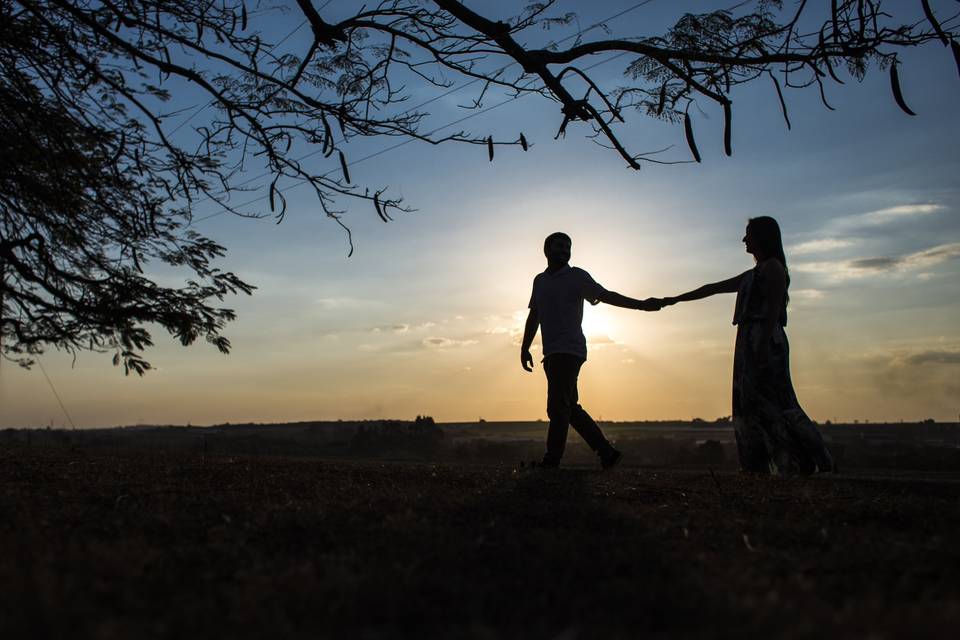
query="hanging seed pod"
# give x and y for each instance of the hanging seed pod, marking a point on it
(327, 137)
(243, 17)
(376, 204)
(933, 22)
(956, 53)
(120, 147)
(490, 147)
(727, 125)
(688, 130)
(273, 192)
(897, 93)
(783, 103)
(826, 61)
(663, 98)
(523, 143)
(343, 165)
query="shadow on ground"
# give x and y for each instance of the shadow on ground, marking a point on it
(138, 544)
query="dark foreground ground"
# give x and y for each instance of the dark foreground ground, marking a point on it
(148, 544)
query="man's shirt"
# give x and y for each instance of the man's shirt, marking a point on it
(558, 299)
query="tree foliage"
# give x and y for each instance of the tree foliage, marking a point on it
(98, 189)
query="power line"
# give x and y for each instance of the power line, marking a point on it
(203, 107)
(302, 181)
(56, 395)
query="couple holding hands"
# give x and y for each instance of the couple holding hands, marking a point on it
(773, 433)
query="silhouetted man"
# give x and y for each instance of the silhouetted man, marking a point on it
(556, 306)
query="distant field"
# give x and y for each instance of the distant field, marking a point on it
(694, 445)
(105, 542)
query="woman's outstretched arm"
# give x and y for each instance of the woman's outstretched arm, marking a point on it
(725, 286)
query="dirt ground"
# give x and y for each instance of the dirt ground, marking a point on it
(129, 544)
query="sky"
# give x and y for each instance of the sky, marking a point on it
(426, 316)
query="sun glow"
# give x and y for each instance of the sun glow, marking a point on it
(598, 325)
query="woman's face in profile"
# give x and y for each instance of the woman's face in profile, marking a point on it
(748, 240)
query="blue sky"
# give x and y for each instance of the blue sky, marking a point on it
(425, 317)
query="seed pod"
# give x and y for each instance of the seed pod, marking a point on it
(727, 124)
(376, 204)
(243, 17)
(273, 191)
(826, 61)
(327, 138)
(956, 53)
(897, 93)
(523, 142)
(688, 130)
(663, 98)
(933, 22)
(490, 147)
(120, 148)
(343, 165)
(783, 103)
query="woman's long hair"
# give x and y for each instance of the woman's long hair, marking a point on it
(766, 235)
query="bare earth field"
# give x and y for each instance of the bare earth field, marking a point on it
(132, 544)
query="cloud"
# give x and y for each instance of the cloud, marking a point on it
(806, 294)
(339, 303)
(882, 217)
(600, 341)
(401, 327)
(446, 343)
(895, 214)
(933, 357)
(506, 324)
(917, 260)
(865, 267)
(819, 246)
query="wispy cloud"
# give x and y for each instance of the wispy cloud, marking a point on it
(918, 260)
(882, 217)
(805, 297)
(866, 267)
(446, 343)
(343, 303)
(820, 246)
(933, 357)
(896, 214)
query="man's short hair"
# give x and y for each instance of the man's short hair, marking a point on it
(550, 238)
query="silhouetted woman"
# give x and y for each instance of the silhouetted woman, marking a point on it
(773, 433)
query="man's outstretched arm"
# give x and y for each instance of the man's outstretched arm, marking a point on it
(529, 331)
(619, 300)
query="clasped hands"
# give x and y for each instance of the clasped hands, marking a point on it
(655, 304)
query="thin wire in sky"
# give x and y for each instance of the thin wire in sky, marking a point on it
(204, 107)
(55, 394)
(302, 181)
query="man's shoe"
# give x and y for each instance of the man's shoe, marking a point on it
(548, 463)
(610, 459)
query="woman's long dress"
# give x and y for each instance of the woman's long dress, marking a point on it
(774, 434)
